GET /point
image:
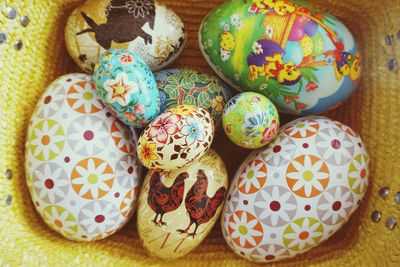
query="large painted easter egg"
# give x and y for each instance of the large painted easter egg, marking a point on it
(305, 61)
(178, 209)
(176, 138)
(190, 87)
(145, 27)
(127, 87)
(81, 164)
(297, 192)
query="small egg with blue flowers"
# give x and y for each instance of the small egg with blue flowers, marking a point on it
(127, 87)
(250, 120)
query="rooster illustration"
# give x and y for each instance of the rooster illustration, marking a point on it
(162, 199)
(199, 206)
(125, 20)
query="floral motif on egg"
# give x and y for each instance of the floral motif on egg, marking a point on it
(47, 140)
(245, 229)
(122, 136)
(126, 171)
(303, 234)
(345, 128)
(358, 174)
(50, 183)
(176, 138)
(302, 130)
(128, 202)
(252, 177)
(120, 89)
(88, 135)
(99, 217)
(193, 130)
(307, 196)
(164, 126)
(269, 252)
(233, 201)
(275, 206)
(81, 97)
(51, 102)
(61, 220)
(280, 152)
(335, 205)
(253, 121)
(334, 146)
(92, 178)
(126, 85)
(307, 176)
(189, 87)
(147, 152)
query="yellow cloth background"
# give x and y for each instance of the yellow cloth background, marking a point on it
(373, 111)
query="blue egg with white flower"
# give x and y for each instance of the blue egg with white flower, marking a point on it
(126, 85)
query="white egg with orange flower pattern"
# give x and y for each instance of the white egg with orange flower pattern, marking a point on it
(81, 165)
(176, 138)
(297, 192)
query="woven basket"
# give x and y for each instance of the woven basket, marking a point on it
(373, 111)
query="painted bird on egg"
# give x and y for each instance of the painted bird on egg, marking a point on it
(178, 208)
(305, 61)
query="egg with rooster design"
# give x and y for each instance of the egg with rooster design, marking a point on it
(176, 138)
(297, 192)
(178, 209)
(81, 165)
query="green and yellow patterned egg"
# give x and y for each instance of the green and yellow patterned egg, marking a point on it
(250, 120)
(190, 87)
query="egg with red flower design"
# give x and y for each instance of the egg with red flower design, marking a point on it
(176, 138)
(297, 192)
(81, 165)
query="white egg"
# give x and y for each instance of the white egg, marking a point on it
(296, 193)
(81, 164)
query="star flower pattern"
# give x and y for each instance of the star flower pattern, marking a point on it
(92, 178)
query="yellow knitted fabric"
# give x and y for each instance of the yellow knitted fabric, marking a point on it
(373, 111)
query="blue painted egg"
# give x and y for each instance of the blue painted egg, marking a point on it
(127, 87)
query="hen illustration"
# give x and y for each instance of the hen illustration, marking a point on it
(162, 199)
(199, 206)
(125, 19)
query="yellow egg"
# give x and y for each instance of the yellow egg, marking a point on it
(178, 209)
(227, 41)
(307, 45)
(176, 138)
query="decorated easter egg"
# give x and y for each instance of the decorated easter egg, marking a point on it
(178, 209)
(250, 120)
(81, 165)
(176, 138)
(127, 87)
(145, 27)
(190, 87)
(305, 61)
(297, 192)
